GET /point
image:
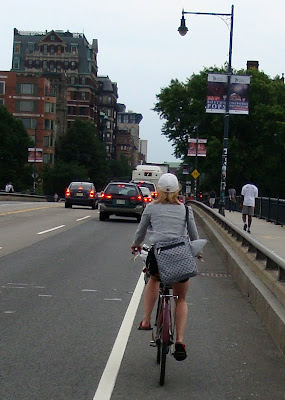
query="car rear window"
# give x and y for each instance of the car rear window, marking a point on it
(122, 190)
(83, 185)
(150, 186)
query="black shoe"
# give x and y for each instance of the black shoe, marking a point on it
(248, 231)
(244, 227)
(180, 352)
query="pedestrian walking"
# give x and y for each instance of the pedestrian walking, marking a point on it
(232, 199)
(249, 192)
(212, 198)
(9, 188)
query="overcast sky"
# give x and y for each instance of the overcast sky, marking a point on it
(141, 50)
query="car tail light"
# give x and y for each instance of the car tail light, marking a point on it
(80, 187)
(154, 194)
(67, 193)
(135, 199)
(106, 196)
(147, 199)
(92, 194)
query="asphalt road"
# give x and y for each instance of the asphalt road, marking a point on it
(65, 292)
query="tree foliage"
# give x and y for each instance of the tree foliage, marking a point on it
(14, 144)
(256, 141)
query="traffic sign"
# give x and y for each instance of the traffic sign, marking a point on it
(195, 174)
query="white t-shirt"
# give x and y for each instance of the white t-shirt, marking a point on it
(250, 192)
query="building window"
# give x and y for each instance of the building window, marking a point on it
(44, 65)
(58, 49)
(107, 149)
(109, 100)
(17, 48)
(48, 158)
(16, 63)
(27, 88)
(49, 124)
(51, 49)
(26, 106)
(46, 141)
(45, 49)
(31, 47)
(37, 63)
(73, 65)
(49, 107)
(51, 66)
(83, 80)
(2, 87)
(72, 80)
(109, 112)
(65, 65)
(30, 63)
(29, 123)
(74, 50)
(52, 38)
(83, 96)
(108, 124)
(1, 102)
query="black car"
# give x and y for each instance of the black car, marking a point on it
(123, 199)
(81, 194)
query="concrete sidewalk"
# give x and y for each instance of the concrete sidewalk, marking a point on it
(267, 233)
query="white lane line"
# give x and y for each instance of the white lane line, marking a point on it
(108, 379)
(1, 248)
(9, 312)
(52, 229)
(80, 219)
(44, 295)
(113, 299)
(89, 290)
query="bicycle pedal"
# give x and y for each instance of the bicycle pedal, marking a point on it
(152, 343)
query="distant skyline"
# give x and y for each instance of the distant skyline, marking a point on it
(141, 50)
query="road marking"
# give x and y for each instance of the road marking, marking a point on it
(113, 299)
(26, 210)
(89, 290)
(108, 379)
(80, 219)
(50, 230)
(44, 295)
(9, 312)
(1, 248)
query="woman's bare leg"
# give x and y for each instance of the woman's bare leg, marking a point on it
(150, 296)
(181, 309)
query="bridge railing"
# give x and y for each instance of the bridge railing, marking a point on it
(272, 260)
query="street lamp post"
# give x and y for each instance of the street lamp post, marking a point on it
(183, 30)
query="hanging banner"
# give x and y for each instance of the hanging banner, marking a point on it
(201, 149)
(217, 94)
(35, 155)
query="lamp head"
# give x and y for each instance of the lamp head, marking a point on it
(183, 28)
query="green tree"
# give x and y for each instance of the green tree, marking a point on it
(14, 144)
(81, 146)
(256, 141)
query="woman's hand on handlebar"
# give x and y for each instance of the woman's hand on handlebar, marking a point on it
(135, 249)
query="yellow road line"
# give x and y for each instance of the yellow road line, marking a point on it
(22, 211)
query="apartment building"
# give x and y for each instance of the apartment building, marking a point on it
(70, 62)
(129, 121)
(29, 99)
(107, 105)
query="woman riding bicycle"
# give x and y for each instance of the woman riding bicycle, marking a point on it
(164, 218)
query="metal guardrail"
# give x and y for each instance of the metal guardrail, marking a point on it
(272, 260)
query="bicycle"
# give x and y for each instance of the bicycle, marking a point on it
(163, 338)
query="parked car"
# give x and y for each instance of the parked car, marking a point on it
(146, 194)
(122, 199)
(150, 185)
(81, 194)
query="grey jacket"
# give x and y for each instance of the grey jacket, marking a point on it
(165, 222)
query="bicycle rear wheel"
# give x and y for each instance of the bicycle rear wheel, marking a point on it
(164, 347)
(164, 351)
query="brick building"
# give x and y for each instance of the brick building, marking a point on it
(29, 99)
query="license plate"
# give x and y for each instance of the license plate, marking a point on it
(79, 194)
(121, 202)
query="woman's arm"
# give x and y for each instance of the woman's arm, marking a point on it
(192, 228)
(142, 228)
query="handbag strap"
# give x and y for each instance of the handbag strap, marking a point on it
(186, 217)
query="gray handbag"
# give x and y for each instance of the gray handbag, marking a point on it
(175, 260)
